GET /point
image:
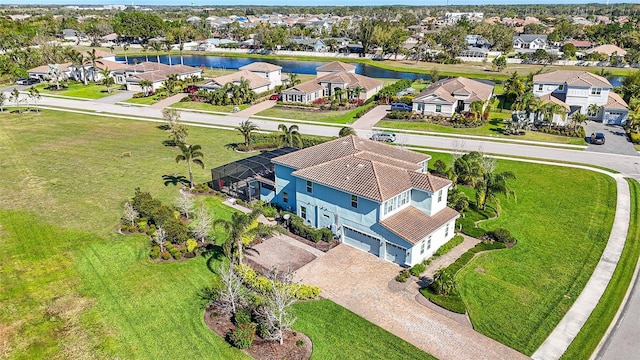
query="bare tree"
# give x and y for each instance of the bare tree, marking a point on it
(184, 202)
(202, 224)
(177, 131)
(232, 294)
(275, 314)
(161, 238)
(130, 214)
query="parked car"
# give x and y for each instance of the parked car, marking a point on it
(27, 81)
(274, 97)
(191, 89)
(384, 137)
(597, 139)
(401, 107)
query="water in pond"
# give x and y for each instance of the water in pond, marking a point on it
(288, 66)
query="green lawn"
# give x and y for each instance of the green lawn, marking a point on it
(71, 286)
(323, 321)
(562, 218)
(328, 116)
(593, 330)
(147, 100)
(79, 90)
(194, 105)
(493, 129)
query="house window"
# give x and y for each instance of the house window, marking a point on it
(285, 197)
(596, 91)
(439, 195)
(438, 108)
(309, 187)
(422, 248)
(354, 201)
(446, 231)
(388, 207)
(540, 87)
(561, 87)
(429, 243)
(404, 198)
(303, 212)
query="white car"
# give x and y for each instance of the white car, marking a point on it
(384, 137)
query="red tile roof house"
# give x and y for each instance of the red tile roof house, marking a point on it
(262, 77)
(577, 90)
(375, 197)
(156, 73)
(450, 96)
(331, 77)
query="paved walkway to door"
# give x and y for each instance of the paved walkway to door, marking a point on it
(358, 281)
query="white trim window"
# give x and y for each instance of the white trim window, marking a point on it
(354, 201)
(396, 202)
(596, 91)
(429, 243)
(438, 108)
(309, 187)
(303, 212)
(440, 195)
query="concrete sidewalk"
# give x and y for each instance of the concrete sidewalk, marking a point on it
(254, 109)
(168, 101)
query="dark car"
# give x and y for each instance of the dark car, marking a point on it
(191, 89)
(27, 81)
(597, 139)
(401, 107)
(274, 97)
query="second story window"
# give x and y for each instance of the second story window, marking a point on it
(354, 201)
(285, 197)
(596, 91)
(309, 187)
(439, 195)
(404, 198)
(429, 243)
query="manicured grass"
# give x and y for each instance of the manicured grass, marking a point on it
(147, 100)
(194, 105)
(328, 116)
(337, 333)
(593, 330)
(562, 219)
(71, 286)
(494, 129)
(79, 90)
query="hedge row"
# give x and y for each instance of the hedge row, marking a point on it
(298, 227)
(451, 302)
(274, 138)
(263, 285)
(457, 240)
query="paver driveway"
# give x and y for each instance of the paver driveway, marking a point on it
(359, 282)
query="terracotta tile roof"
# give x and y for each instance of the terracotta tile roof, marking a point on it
(615, 102)
(344, 146)
(45, 68)
(608, 49)
(445, 89)
(304, 88)
(158, 72)
(352, 80)
(255, 81)
(335, 66)
(260, 66)
(572, 77)
(427, 182)
(555, 100)
(413, 225)
(111, 65)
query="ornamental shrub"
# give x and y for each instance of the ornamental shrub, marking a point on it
(403, 276)
(418, 269)
(242, 317)
(191, 245)
(155, 252)
(501, 235)
(242, 335)
(166, 255)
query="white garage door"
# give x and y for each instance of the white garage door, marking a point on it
(396, 254)
(362, 241)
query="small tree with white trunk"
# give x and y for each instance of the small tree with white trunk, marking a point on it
(275, 315)
(184, 203)
(161, 238)
(202, 225)
(130, 213)
(232, 293)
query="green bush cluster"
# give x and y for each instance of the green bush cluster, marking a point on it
(403, 276)
(173, 251)
(418, 269)
(160, 215)
(457, 240)
(242, 336)
(166, 255)
(564, 131)
(263, 285)
(142, 224)
(501, 235)
(364, 109)
(155, 252)
(298, 227)
(394, 88)
(273, 138)
(634, 137)
(242, 317)
(191, 245)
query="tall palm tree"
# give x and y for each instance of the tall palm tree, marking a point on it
(246, 128)
(81, 62)
(146, 85)
(293, 80)
(145, 48)
(107, 79)
(492, 184)
(549, 109)
(346, 131)
(476, 109)
(125, 47)
(181, 49)
(157, 47)
(289, 136)
(91, 56)
(190, 154)
(168, 45)
(243, 226)
(579, 119)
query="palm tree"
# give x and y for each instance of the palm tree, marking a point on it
(190, 154)
(289, 136)
(346, 131)
(579, 119)
(181, 48)
(243, 226)
(549, 109)
(293, 80)
(157, 46)
(125, 47)
(107, 79)
(492, 184)
(145, 48)
(168, 45)
(476, 109)
(146, 85)
(246, 128)
(593, 110)
(92, 57)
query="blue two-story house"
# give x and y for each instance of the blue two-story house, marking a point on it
(373, 196)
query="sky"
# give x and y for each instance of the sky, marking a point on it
(302, 2)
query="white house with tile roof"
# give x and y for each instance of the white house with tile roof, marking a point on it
(375, 197)
(450, 96)
(578, 90)
(266, 70)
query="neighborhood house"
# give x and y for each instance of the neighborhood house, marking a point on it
(450, 96)
(375, 197)
(261, 76)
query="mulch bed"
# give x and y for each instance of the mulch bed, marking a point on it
(263, 349)
(320, 245)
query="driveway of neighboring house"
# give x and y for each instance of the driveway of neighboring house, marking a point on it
(254, 109)
(360, 282)
(616, 139)
(368, 120)
(117, 96)
(168, 101)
